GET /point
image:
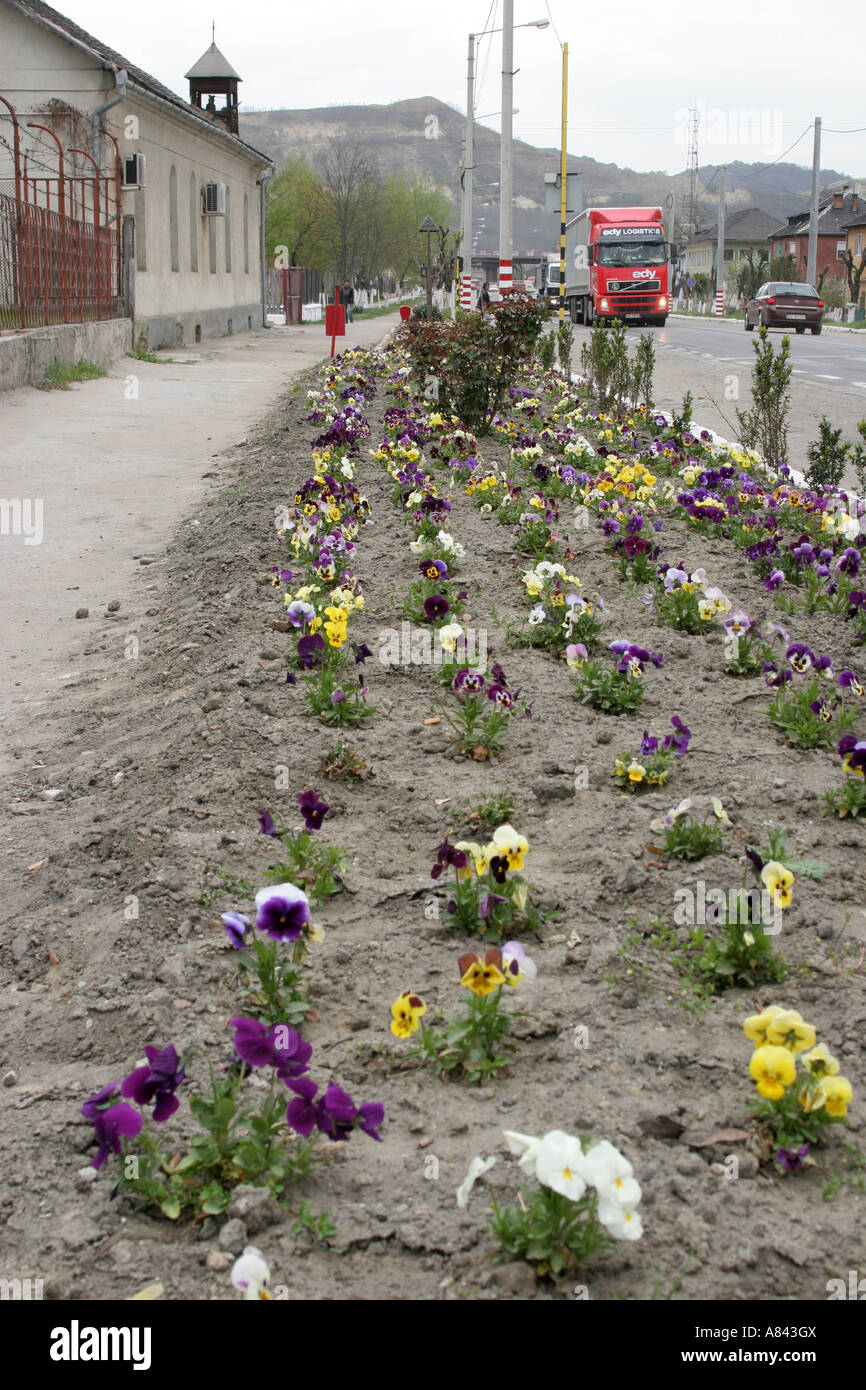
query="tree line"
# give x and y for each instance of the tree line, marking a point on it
(348, 219)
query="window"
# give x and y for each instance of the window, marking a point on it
(858, 244)
(193, 222)
(228, 229)
(792, 248)
(246, 234)
(172, 219)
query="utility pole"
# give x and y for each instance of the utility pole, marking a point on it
(720, 250)
(812, 252)
(468, 162)
(563, 178)
(506, 157)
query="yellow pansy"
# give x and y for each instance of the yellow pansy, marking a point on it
(756, 1026)
(774, 1069)
(778, 880)
(636, 773)
(838, 1093)
(406, 1012)
(820, 1062)
(510, 846)
(789, 1030)
(482, 977)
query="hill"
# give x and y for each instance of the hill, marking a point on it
(423, 138)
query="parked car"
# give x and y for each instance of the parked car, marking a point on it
(785, 304)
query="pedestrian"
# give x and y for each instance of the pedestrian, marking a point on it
(485, 297)
(348, 297)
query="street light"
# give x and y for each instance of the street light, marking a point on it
(469, 158)
(506, 143)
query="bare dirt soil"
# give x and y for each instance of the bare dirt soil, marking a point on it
(162, 762)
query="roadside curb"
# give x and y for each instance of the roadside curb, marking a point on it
(737, 323)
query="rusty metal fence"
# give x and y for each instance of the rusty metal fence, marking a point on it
(55, 269)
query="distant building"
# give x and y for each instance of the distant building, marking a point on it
(792, 239)
(747, 230)
(855, 236)
(190, 185)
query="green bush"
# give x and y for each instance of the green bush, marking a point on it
(827, 456)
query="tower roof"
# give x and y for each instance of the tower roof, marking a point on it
(212, 64)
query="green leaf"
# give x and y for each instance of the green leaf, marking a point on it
(170, 1207)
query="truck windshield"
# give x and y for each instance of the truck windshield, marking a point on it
(632, 253)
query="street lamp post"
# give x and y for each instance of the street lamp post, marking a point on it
(506, 177)
(469, 142)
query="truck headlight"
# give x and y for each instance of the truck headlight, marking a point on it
(603, 306)
(663, 301)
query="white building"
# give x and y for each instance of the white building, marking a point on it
(193, 268)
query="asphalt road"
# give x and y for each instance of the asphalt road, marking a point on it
(714, 361)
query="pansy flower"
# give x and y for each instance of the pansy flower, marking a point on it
(482, 976)
(282, 911)
(406, 1013)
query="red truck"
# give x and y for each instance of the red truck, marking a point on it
(616, 266)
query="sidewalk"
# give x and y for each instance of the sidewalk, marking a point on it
(117, 464)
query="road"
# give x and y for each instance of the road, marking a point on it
(714, 361)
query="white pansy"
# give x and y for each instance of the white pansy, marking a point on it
(250, 1274)
(611, 1174)
(624, 1223)
(477, 1168)
(525, 1148)
(559, 1165)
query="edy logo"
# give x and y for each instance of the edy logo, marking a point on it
(77, 1343)
(643, 274)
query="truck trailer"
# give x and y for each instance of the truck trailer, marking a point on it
(617, 266)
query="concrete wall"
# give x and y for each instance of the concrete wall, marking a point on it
(25, 357)
(184, 288)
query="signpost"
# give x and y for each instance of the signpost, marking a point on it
(428, 227)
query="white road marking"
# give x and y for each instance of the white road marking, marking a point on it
(825, 376)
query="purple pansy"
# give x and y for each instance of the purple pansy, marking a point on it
(313, 809)
(159, 1079)
(112, 1126)
(282, 912)
(236, 928)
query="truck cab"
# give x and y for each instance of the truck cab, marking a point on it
(617, 266)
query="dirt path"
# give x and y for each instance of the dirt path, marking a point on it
(111, 468)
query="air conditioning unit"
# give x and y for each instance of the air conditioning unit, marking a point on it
(134, 170)
(213, 200)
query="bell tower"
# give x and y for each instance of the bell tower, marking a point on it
(212, 76)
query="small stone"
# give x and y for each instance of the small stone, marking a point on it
(84, 1177)
(779, 782)
(826, 931)
(114, 605)
(517, 1279)
(82, 612)
(233, 1236)
(218, 1260)
(10, 1078)
(211, 703)
(253, 1208)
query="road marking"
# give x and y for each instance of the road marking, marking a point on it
(859, 383)
(825, 376)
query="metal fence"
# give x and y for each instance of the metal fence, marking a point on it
(55, 269)
(291, 287)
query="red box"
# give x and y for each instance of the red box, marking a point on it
(335, 327)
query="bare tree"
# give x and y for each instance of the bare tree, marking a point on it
(349, 181)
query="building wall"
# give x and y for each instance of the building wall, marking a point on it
(191, 270)
(183, 286)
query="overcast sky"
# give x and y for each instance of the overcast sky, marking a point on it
(758, 73)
